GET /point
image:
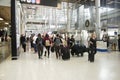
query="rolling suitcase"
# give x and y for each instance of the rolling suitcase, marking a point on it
(65, 53)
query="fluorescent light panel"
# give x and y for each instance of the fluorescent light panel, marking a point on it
(6, 23)
(1, 18)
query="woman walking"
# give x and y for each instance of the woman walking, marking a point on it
(92, 48)
(39, 43)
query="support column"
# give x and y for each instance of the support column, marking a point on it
(98, 26)
(77, 17)
(13, 31)
(68, 17)
(56, 27)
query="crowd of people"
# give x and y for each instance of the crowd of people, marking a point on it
(61, 46)
(3, 35)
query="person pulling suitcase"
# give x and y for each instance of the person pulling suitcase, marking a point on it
(92, 48)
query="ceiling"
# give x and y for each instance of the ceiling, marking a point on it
(5, 2)
(6, 14)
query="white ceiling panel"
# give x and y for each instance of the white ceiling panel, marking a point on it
(5, 2)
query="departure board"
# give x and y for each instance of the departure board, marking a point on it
(41, 2)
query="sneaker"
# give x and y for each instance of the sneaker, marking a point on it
(41, 58)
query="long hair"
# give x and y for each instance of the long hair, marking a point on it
(46, 35)
(93, 35)
(39, 35)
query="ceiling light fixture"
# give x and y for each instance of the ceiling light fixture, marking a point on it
(1, 18)
(6, 23)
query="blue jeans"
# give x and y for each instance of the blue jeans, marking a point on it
(35, 47)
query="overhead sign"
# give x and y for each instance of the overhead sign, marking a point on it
(41, 2)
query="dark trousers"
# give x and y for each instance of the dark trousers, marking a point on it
(48, 50)
(91, 54)
(35, 47)
(119, 44)
(24, 47)
(57, 51)
(40, 51)
(31, 44)
(119, 47)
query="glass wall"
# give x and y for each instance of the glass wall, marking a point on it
(45, 18)
(111, 16)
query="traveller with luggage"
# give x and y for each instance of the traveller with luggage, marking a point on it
(92, 48)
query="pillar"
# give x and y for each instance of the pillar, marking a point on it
(68, 17)
(13, 31)
(77, 17)
(98, 26)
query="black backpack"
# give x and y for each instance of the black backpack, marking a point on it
(39, 41)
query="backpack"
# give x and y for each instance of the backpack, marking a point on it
(39, 41)
(47, 42)
(57, 41)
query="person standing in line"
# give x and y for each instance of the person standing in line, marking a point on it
(31, 41)
(108, 42)
(119, 43)
(23, 42)
(68, 42)
(72, 41)
(92, 48)
(47, 43)
(39, 43)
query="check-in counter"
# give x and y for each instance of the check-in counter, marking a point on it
(5, 50)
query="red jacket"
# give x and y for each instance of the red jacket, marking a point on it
(47, 38)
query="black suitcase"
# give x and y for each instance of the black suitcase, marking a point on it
(65, 53)
(77, 49)
(83, 49)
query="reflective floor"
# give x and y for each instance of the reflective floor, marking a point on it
(29, 67)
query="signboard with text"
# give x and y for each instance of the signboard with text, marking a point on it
(41, 2)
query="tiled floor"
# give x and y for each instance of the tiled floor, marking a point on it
(29, 67)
